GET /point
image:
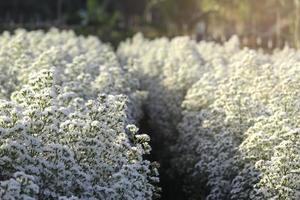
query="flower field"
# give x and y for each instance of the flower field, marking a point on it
(224, 119)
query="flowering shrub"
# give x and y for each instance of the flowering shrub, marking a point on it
(65, 121)
(227, 118)
(166, 68)
(85, 60)
(232, 123)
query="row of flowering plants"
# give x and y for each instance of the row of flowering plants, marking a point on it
(228, 117)
(225, 119)
(67, 115)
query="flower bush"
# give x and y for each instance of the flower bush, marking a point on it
(233, 131)
(85, 60)
(167, 68)
(66, 119)
(225, 119)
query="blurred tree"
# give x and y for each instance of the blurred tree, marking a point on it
(114, 20)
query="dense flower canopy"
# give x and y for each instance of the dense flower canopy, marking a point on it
(231, 114)
(226, 119)
(65, 121)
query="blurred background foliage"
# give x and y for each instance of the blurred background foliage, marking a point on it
(258, 23)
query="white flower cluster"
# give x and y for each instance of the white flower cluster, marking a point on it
(166, 70)
(66, 107)
(234, 114)
(83, 59)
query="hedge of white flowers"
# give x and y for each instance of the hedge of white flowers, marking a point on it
(67, 109)
(230, 117)
(226, 118)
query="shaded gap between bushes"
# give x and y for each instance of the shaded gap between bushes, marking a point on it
(171, 185)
